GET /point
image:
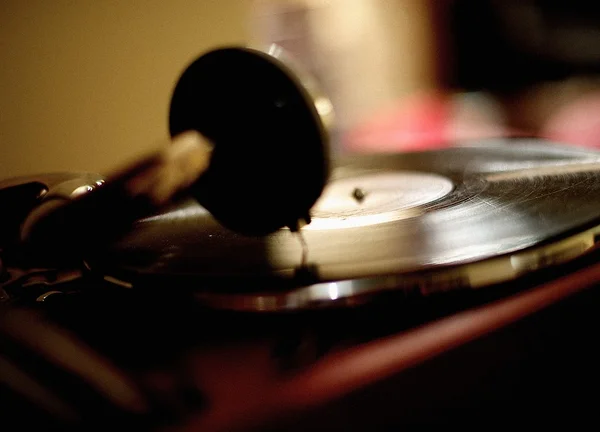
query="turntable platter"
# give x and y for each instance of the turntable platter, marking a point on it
(390, 214)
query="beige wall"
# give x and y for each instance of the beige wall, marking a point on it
(86, 84)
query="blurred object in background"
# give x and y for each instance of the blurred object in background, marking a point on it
(367, 54)
(577, 122)
(509, 45)
(428, 120)
(540, 60)
(416, 74)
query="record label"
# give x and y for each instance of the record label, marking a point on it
(376, 198)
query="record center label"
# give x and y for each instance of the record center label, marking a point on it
(377, 198)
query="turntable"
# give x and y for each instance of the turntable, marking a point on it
(341, 276)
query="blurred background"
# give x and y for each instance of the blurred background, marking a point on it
(85, 86)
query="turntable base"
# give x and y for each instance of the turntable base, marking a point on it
(498, 356)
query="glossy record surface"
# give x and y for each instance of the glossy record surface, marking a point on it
(417, 212)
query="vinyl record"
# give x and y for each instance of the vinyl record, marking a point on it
(467, 216)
